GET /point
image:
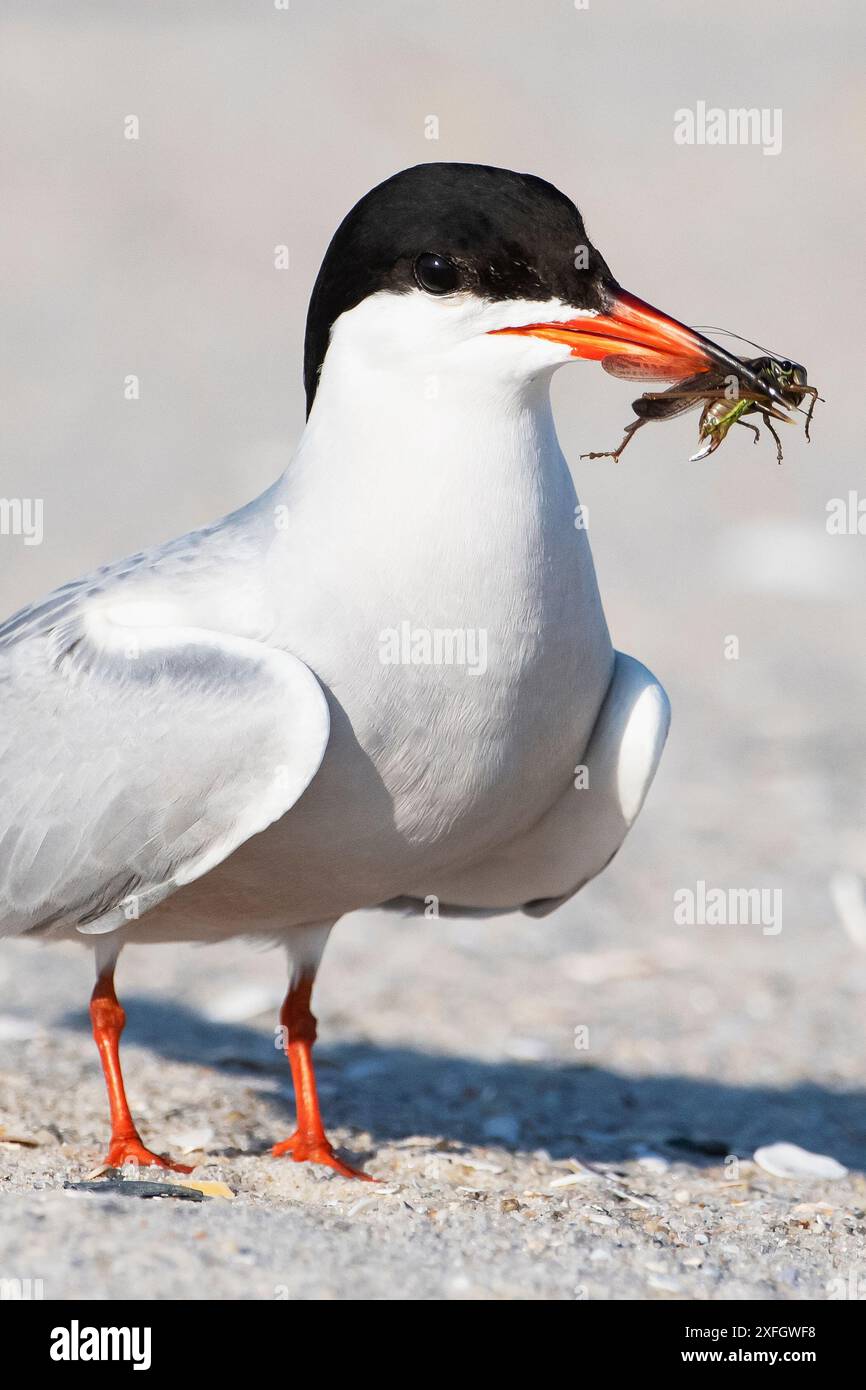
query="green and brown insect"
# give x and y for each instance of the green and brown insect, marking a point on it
(724, 398)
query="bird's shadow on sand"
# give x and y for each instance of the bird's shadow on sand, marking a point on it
(566, 1108)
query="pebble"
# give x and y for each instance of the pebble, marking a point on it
(653, 1163)
(476, 1165)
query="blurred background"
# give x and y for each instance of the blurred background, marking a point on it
(260, 127)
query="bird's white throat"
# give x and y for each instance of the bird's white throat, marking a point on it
(431, 443)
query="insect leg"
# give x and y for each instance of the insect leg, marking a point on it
(768, 422)
(813, 392)
(754, 428)
(615, 453)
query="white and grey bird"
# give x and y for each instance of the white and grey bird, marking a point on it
(375, 681)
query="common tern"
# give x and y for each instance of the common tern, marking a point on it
(389, 677)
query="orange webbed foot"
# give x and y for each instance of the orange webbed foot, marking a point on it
(286, 1146)
(317, 1151)
(124, 1151)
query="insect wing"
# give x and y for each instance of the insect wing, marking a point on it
(651, 366)
(678, 399)
(663, 407)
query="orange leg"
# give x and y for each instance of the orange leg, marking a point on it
(108, 1019)
(309, 1143)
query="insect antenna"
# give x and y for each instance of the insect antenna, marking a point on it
(708, 328)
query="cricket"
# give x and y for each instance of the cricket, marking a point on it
(724, 399)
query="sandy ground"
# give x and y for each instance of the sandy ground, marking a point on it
(512, 1163)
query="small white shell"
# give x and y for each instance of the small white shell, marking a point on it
(790, 1161)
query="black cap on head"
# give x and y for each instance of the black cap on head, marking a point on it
(510, 236)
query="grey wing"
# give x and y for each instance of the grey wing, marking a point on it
(133, 759)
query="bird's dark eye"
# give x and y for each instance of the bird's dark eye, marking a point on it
(436, 274)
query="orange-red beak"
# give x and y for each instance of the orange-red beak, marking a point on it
(632, 329)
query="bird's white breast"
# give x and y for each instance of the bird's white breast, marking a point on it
(450, 607)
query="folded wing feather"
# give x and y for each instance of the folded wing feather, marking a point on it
(134, 758)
